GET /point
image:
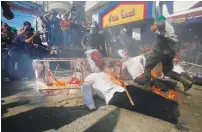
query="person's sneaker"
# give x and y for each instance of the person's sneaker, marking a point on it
(91, 107)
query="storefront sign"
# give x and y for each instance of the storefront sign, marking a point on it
(124, 14)
(190, 17)
(180, 19)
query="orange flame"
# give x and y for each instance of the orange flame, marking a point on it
(171, 95)
(115, 77)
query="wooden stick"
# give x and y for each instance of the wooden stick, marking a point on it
(129, 97)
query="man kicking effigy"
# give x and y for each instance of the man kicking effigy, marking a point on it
(164, 52)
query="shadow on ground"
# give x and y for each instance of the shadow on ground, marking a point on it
(5, 107)
(107, 123)
(42, 119)
(11, 88)
(47, 118)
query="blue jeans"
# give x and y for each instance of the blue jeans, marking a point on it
(52, 38)
(67, 38)
(26, 61)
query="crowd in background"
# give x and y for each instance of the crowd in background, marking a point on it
(145, 49)
(63, 29)
(191, 52)
(66, 31)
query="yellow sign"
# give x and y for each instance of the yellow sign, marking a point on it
(180, 19)
(123, 14)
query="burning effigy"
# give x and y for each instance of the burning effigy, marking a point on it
(109, 85)
(48, 83)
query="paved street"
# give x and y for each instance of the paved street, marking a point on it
(25, 110)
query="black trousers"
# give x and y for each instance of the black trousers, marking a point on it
(147, 103)
(166, 57)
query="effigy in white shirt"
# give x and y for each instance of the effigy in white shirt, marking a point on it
(135, 66)
(102, 85)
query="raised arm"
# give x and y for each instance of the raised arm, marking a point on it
(67, 12)
(45, 17)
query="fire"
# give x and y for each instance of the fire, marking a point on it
(171, 95)
(114, 77)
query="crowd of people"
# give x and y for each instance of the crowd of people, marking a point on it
(26, 44)
(63, 26)
(20, 47)
(191, 52)
(145, 49)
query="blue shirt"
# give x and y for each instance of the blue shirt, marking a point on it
(19, 42)
(55, 24)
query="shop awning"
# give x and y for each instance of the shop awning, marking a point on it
(192, 15)
(27, 7)
(198, 4)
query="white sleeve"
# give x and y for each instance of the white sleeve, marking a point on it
(88, 96)
(90, 79)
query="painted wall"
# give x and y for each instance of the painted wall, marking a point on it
(92, 8)
(95, 13)
(59, 6)
(80, 8)
(90, 4)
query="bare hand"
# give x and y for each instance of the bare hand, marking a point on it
(26, 27)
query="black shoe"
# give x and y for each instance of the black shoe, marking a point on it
(142, 81)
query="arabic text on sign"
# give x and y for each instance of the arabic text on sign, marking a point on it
(123, 14)
(180, 19)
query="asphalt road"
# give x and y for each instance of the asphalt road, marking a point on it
(24, 109)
